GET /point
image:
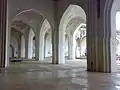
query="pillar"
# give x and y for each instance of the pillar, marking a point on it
(110, 25)
(41, 44)
(26, 48)
(55, 37)
(98, 40)
(3, 32)
(19, 47)
(37, 45)
(30, 43)
(8, 36)
(70, 46)
(22, 46)
(26, 42)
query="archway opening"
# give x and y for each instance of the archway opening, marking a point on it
(79, 44)
(11, 51)
(26, 25)
(72, 36)
(46, 42)
(31, 44)
(118, 38)
(14, 42)
(115, 35)
(48, 46)
(14, 47)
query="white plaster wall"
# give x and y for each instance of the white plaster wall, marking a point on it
(14, 43)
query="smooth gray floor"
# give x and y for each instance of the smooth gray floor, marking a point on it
(37, 76)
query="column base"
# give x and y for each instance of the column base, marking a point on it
(37, 59)
(2, 70)
(98, 70)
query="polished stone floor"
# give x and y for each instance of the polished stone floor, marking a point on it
(31, 75)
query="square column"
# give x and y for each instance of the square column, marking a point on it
(55, 36)
(3, 32)
(98, 40)
(26, 43)
(37, 41)
(55, 47)
(70, 46)
(41, 46)
(19, 47)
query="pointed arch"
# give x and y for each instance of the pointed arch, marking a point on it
(48, 44)
(30, 10)
(71, 12)
(30, 17)
(46, 26)
(74, 36)
(111, 6)
(31, 35)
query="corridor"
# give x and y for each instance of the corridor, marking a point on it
(33, 75)
(59, 45)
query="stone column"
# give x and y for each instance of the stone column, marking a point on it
(26, 48)
(41, 44)
(3, 30)
(19, 47)
(55, 36)
(70, 46)
(22, 46)
(26, 43)
(37, 36)
(98, 40)
(8, 36)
